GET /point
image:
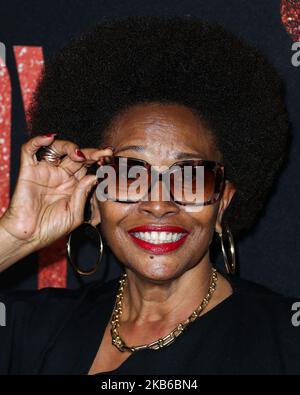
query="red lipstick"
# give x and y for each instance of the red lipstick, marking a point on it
(161, 248)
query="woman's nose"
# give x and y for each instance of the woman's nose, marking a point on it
(159, 203)
(158, 208)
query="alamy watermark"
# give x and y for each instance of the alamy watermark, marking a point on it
(296, 315)
(137, 183)
(296, 56)
(2, 314)
(2, 54)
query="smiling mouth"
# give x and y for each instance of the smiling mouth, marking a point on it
(158, 240)
(159, 237)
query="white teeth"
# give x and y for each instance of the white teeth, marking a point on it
(154, 236)
(162, 236)
(159, 237)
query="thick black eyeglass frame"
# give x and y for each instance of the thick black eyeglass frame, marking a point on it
(217, 167)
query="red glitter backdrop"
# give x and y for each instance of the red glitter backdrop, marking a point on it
(290, 16)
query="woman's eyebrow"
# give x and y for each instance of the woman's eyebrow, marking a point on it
(176, 156)
(187, 155)
(136, 148)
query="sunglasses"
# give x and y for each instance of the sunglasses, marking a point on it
(188, 182)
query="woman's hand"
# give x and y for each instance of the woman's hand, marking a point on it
(49, 200)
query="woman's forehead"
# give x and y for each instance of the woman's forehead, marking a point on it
(173, 128)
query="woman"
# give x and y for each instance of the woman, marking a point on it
(164, 92)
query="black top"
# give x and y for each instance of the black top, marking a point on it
(59, 331)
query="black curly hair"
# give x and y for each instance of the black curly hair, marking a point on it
(132, 60)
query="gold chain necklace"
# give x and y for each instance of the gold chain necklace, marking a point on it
(164, 341)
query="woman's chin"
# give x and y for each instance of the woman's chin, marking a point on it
(158, 273)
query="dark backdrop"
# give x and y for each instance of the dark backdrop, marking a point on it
(270, 253)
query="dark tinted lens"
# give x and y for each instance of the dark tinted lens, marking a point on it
(130, 181)
(138, 180)
(196, 183)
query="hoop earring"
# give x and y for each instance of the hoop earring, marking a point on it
(69, 252)
(228, 254)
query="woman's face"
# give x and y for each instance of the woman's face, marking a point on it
(161, 135)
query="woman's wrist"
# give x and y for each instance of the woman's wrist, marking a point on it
(13, 249)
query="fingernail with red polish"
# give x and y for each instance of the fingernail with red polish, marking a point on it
(80, 154)
(49, 134)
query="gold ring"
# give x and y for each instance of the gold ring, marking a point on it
(50, 155)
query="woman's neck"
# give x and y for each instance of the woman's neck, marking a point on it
(173, 301)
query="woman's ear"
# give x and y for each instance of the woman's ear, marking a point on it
(228, 193)
(95, 211)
